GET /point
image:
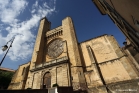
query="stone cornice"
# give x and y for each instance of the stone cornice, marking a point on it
(51, 63)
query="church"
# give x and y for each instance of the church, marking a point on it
(95, 65)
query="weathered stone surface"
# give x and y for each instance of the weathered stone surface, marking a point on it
(20, 77)
(91, 65)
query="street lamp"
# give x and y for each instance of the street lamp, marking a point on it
(5, 47)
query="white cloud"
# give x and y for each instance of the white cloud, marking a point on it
(2, 40)
(33, 11)
(10, 10)
(36, 4)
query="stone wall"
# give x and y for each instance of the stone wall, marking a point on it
(20, 77)
(105, 63)
(119, 87)
(91, 65)
(124, 14)
(73, 52)
(37, 55)
(58, 73)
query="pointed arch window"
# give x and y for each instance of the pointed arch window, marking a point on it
(47, 80)
(23, 71)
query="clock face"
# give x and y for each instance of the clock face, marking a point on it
(55, 48)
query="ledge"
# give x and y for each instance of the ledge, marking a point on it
(51, 63)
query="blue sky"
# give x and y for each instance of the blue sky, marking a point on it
(20, 18)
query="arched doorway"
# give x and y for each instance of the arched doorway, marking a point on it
(47, 80)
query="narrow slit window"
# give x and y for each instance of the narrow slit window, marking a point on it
(23, 71)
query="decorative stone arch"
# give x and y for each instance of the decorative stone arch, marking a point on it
(46, 80)
(42, 74)
(36, 80)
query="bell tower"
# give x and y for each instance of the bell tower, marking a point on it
(73, 53)
(37, 55)
(38, 52)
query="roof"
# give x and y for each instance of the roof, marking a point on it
(94, 38)
(25, 63)
(7, 69)
(43, 18)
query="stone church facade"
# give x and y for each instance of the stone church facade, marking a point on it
(97, 65)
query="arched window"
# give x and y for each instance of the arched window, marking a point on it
(47, 80)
